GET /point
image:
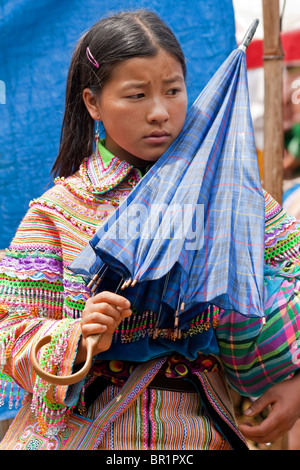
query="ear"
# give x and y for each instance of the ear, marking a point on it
(92, 104)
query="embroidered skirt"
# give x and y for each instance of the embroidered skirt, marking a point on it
(171, 413)
(161, 420)
(153, 410)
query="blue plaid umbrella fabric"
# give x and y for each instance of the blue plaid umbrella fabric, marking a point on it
(194, 225)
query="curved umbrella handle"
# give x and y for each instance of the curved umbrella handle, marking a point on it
(91, 342)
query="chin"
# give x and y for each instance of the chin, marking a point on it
(146, 159)
(156, 156)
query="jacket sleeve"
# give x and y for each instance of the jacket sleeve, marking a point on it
(256, 356)
(32, 306)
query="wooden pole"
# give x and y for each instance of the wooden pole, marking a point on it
(273, 117)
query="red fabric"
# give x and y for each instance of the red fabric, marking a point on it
(290, 44)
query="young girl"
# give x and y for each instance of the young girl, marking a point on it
(129, 73)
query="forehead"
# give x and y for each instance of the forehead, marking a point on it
(163, 66)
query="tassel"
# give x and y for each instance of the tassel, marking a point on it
(177, 331)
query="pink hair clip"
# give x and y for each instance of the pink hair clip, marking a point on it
(91, 57)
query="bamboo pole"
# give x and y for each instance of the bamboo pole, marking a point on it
(273, 89)
(273, 118)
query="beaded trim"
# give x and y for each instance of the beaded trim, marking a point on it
(94, 177)
(71, 185)
(99, 178)
(111, 198)
(25, 264)
(37, 298)
(90, 230)
(282, 235)
(284, 249)
(137, 326)
(51, 416)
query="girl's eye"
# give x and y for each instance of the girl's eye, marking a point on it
(173, 91)
(138, 96)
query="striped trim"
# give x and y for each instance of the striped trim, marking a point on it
(216, 399)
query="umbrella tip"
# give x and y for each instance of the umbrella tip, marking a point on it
(249, 35)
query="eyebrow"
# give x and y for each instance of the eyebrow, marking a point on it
(167, 81)
(176, 78)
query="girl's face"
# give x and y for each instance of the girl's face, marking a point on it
(143, 107)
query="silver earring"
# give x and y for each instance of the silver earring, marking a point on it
(97, 131)
(97, 137)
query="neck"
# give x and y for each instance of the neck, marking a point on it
(126, 156)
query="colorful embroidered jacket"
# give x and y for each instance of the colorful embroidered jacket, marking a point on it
(39, 296)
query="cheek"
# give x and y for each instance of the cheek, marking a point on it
(121, 126)
(180, 115)
(121, 116)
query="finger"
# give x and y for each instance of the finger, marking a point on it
(105, 308)
(259, 405)
(112, 298)
(110, 320)
(95, 322)
(93, 329)
(270, 429)
(108, 316)
(254, 434)
(124, 314)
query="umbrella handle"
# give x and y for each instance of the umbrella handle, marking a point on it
(91, 343)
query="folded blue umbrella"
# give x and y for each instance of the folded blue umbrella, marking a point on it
(192, 231)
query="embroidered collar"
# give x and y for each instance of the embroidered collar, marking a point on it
(103, 171)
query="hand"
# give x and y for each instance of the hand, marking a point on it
(102, 314)
(284, 402)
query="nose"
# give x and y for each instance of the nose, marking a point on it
(158, 111)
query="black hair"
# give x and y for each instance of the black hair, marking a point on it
(111, 40)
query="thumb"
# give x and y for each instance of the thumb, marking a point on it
(258, 405)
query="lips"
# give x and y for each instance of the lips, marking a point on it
(157, 137)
